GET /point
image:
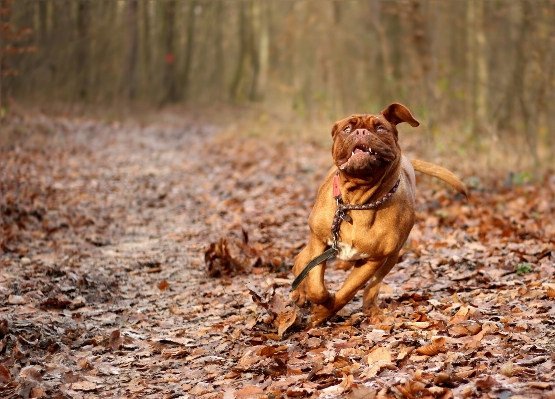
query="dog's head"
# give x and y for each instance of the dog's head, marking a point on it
(365, 145)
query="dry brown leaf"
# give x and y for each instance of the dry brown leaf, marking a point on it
(116, 340)
(461, 315)
(201, 388)
(361, 392)
(267, 351)
(465, 373)
(458, 330)
(412, 389)
(285, 320)
(473, 328)
(507, 369)
(295, 392)
(37, 393)
(248, 359)
(30, 372)
(347, 382)
(17, 300)
(442, 378)
(405, 392)
(539, 384)
(418, 325)
(4, 327)
(379, 353)
(432, 349)
(404, 352)
(83, 386)
(163, 285)
(464, 329)
(5, 376)
(485, 384)
(249, 392)
(376, 367)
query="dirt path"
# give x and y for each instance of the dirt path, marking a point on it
(104, 291)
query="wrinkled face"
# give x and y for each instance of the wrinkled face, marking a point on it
(365, 145)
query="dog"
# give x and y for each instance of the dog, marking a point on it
(363, 213)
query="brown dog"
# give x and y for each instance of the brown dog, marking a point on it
(364, 211)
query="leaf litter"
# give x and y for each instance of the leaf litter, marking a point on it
(154, 262)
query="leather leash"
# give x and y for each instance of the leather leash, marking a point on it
(339, 216)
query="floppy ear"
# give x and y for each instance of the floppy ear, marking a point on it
(334, 129)
(396, 113)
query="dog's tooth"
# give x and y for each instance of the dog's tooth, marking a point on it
(353, 153)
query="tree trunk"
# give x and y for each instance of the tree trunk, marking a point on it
(260, 42)
(377, 18)
(82, 49)
(129, 74)
(422, 43)
(189, 47)
(218, 73)
(169, 84)
(481, 102)
(477, 78)
(243, 54)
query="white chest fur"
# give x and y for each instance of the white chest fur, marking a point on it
(348, 252)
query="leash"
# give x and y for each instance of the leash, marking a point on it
(339, 217)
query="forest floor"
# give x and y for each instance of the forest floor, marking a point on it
(153, 261)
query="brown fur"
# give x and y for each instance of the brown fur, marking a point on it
(373, 239)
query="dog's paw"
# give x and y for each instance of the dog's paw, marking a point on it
(299, 297)
(322, 312)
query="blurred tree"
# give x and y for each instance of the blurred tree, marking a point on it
(129, 74)
(14, 43)
(168, 38)
(82, 49)
(189, 47)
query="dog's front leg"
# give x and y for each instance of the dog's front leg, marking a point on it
(356, 280)
(370, 296)
(313, 287)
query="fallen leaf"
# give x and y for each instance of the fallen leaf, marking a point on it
(485, 384)
(116, 340)
(379, 353)
(84, 386)
(5, 376)
(249, 392)
(17, 300)
(461, 315)
(432, 349)
(285, 320)
(163, 285)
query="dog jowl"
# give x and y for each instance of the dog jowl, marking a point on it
(363, 213)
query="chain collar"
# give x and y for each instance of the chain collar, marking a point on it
(340, 214)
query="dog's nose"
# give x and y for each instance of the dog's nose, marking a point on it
(361, 132)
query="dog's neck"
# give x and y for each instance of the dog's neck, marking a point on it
(359, 191)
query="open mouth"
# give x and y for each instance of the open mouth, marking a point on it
(360, 151)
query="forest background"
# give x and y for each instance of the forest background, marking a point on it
(479, 74)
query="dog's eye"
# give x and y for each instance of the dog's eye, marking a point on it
(381, 129)
(347, 129)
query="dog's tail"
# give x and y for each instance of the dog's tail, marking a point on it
(439, 172)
